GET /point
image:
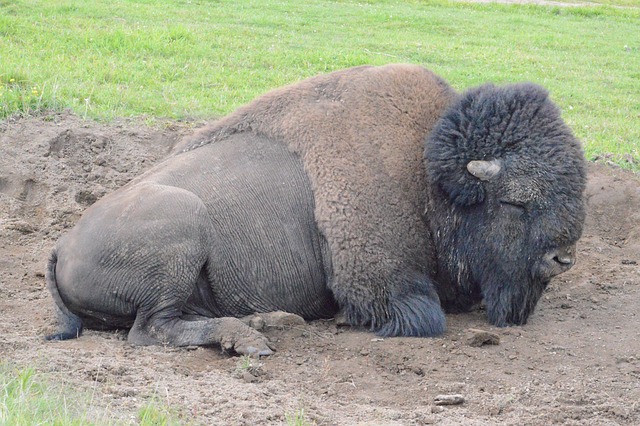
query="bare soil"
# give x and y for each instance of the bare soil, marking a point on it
(577, 362)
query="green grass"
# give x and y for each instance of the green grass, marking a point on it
(614, 3)
(205, 58)
(298, 419)
(31, 398)
(155, 414)
(24, 401)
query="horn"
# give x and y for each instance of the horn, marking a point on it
(484, 170)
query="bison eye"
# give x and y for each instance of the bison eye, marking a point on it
(515, 206)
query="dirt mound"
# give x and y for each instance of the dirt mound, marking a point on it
(576, 362)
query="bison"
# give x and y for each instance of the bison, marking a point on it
(376, 193)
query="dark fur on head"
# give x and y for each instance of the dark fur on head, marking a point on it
(495, 238)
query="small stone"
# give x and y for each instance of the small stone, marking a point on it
(249, 378)
(455, 399)
(85, 198)
(477, 338)
(436, 409)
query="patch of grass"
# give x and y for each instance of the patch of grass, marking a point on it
(31, 398)
(297, 419)
(615, 3)
(25, 399)
(204, 59)
(248, 364)
(245, 362)
(154, 414)
(19, 94)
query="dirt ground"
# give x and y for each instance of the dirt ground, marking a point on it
(577, 362)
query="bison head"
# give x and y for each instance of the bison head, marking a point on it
(506, 177)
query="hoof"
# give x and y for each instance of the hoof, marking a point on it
(61, 336)
(253, 347)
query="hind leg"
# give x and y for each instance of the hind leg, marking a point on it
(168, 328)
(163, 273)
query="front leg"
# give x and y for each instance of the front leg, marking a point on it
(407, 306)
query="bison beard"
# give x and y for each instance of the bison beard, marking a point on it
(378, 191)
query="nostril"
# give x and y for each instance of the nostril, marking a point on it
(563, 256)
(558, 261)
(564, 259)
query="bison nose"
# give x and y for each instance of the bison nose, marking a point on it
(560, 260)
(564, 258)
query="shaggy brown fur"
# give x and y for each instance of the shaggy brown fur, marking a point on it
(360, 133)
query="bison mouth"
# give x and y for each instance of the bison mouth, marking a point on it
(512, 301)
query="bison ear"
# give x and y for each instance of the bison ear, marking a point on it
(484, 170)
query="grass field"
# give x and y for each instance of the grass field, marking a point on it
(203, 59)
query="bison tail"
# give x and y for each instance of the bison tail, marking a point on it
(70, 325)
